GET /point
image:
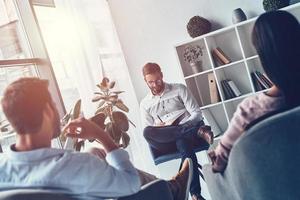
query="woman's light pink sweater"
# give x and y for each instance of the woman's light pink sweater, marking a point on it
(248, 110)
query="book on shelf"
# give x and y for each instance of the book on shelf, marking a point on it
(262, 80)
(256, 83)
(220, 56)
(234, 88)
(228, 91)
(213, 90)
(268, 79)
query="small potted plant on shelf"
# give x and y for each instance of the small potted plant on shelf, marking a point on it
(192, 54)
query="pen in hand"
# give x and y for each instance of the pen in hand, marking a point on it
(160, 119)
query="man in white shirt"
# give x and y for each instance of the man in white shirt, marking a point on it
(170, 114)
(32, 163)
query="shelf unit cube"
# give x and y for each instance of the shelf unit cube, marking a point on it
(199, 85)
(235, 42)
(244, 32)
(238, 74)
(227, 41)
(216, 117)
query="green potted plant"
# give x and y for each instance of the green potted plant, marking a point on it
(270, 5)
(192, 54)
(110, 114)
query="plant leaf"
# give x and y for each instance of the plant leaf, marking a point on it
(65, 119)
(99, 119)
(100, 110)
(125, 139)
(113, 99)
(76, 110)
(120, 120)
(101, 103)
(4, 127)
(112, 84)
(100, 93)
(117, 92)
(2, 121)
(105, 82)
(102, 88)
(113, 95)
(78, 145)
(122, 106)
(97, 98)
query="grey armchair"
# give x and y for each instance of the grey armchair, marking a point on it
(157, 190)
(264, 164)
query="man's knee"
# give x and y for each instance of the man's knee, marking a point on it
(148, 131)
(184, 146)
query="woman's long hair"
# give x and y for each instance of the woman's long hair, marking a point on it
(276, 37)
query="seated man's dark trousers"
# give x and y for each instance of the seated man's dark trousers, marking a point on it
(163, 138)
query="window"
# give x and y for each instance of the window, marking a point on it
(22, 54)
(80, 39)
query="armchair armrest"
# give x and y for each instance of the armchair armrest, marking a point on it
(158, 190)
(217, 184)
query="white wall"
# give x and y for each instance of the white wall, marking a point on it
(149, 29)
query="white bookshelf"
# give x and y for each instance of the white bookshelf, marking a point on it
(235, 41)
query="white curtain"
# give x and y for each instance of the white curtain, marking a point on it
(94, 51)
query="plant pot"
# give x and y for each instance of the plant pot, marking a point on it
(238, 15)
(196, 67)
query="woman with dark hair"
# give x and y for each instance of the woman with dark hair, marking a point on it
(276, 37)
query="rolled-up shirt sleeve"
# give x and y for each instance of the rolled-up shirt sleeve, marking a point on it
(146, 118)
(190, 104)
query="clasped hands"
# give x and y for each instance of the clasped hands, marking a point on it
(86, 129)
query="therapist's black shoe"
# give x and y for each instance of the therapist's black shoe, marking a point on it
(205, 133)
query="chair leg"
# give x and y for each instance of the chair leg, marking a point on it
(200, 173)
(199, 166)
(180, 166)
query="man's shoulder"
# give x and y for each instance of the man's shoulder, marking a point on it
(175, 86)
(146, 100)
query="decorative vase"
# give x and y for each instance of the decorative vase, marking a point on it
(198, 26)
(196, 66)
(238, 15)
